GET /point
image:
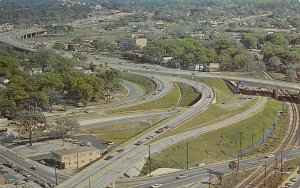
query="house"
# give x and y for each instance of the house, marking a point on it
(75, 157)
(164, 60)
(4, 80)
(141, 42)
(211, 67)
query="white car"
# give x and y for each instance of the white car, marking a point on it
(156, 185)
(181, 176)
(270, 155)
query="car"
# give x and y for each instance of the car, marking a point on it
(288, 184)
(20, 182)
(50, 184)
(157, 185)
(138, 143)
(27, 175)
(108, 157)
(209, 96)
(36, 181)
(10, 180)
(293, 179)
(149, 137)
(19, 170)
(180, 176)
(26, 179)
(34, 168)
(42, 162)
(270, 155)
(120, 149)
(45, 185)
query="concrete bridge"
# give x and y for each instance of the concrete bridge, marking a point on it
(273, 85)
(14, 38)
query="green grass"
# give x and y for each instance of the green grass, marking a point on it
(170, 100)
(223, 93)
(218, 144)
(120, 132)
(209, 116)
(232, 180)
(146, 83)
(188, 94)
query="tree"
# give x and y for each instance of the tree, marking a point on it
(31, 123)
(275, 62)
(291, 75)
(64, 125)
(249, 40)
(277, 39)
(7, 107)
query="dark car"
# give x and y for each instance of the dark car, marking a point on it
(108, 157)
(138, 143)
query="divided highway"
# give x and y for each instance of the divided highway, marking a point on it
(103, 172)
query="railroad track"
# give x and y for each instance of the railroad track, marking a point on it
(257, 178)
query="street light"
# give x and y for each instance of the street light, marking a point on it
(149, 158)
(187, 155)
(55, 174)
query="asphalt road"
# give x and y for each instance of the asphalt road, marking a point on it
(103, 172)
(201, 174)
(44, 175)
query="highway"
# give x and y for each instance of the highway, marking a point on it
(104, 172)
(201, 174)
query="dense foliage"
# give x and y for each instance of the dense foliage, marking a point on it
(46, 78)
(188, 51)
(28, 12)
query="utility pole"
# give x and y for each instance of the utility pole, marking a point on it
(240, 144)
(209, 178)
(187, 155)
(77, 161)
(149, 158)
(275, 171)
(265, 174)
(55, 175)
(281, 168)
(252, 136)
(263, 135)
(238, 165)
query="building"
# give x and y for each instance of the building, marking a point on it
(2, 180)
(141, 42)
(75, 157)
(4, 80)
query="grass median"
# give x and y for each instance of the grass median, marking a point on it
(170, 100)
(122, 131)
(216, 145)
(188, 95)
(145, 83)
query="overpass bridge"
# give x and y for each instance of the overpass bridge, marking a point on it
(15, 37)
(273, 85)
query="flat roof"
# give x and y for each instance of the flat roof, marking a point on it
(74, 150)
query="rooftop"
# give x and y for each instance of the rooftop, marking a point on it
(74, 150)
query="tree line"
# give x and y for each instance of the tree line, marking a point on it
(45, 78)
